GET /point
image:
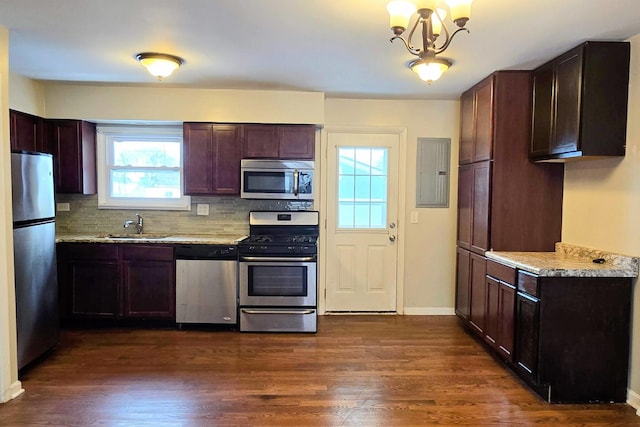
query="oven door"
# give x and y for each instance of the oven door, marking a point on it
(277, 281)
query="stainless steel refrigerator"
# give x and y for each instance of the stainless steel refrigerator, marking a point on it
(34, 254)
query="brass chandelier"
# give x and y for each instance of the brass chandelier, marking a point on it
(431, 19)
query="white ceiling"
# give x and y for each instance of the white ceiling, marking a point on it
(340, 47)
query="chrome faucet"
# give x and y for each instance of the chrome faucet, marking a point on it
(130, 222)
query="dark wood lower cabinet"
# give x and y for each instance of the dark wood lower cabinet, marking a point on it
(572, 337)
(116, 281)
(148, 281)
(477, 274)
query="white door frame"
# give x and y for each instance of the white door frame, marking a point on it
(402, 177)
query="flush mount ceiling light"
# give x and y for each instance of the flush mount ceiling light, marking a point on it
(160, 65)
(431, 19)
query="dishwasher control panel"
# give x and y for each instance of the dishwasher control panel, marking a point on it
(216, 252)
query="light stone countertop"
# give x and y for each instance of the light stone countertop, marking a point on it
(155, 238)
(569, 261)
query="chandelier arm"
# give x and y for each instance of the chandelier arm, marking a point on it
(410, 37)
(412, 50)
(448, 39)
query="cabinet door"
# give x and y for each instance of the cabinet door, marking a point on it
(492, 317)
(148, 284)
(526, 336)
(568, 86)
(477, 274)
(480, 214)
(543, 112)
(25, 131)
(506, 320)
(149, 289)
(74, 156)
(226, 159)
(88, 280)
(467, 122)
(483, 132)
(463, 291)
(465, 205)
(197, 148)
(296, 142)
(93, 289)
(260, 141)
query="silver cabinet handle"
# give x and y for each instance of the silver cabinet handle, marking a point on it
(300, 312)
(392, 237)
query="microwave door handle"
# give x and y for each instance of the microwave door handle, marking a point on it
(296, 183)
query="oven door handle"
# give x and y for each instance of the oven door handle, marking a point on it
(278, 259)
(300, 312)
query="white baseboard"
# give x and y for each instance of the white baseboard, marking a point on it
(633, 399)
(14, 391)
(429, 311)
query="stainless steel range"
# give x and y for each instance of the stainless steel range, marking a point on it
(278, 272)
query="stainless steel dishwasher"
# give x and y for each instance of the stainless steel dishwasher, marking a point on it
(206, 284)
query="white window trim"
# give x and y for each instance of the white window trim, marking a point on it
(104, 199)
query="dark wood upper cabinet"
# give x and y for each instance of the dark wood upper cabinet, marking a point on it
(296, 142)
(27, 132)
(260, 141)
(211, 158)
(74, 152)
(476, 123)
(580, 103)
(264, 141)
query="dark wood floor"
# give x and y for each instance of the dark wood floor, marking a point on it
(356, 371)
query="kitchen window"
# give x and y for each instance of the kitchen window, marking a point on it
(140, 167)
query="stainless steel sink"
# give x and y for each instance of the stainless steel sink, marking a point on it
(143, 236)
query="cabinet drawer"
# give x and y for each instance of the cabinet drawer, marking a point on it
(501, 272)
(92, 251)
(154, 252)
(528, 283)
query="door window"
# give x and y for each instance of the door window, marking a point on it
(362, 187)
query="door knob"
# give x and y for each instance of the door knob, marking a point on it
(392, 237)
(392, 225)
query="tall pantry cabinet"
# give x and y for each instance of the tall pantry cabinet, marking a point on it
(505, 201)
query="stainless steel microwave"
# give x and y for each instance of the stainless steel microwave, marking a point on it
(276, 179)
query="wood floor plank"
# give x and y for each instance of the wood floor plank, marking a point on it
(356, 371)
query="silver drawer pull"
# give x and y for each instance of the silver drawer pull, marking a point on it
(300, 312)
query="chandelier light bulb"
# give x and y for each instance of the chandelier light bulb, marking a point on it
(399, 15)
(460, 11)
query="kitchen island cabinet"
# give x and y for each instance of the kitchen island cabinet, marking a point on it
(211, 159)
(572, 321)
(116, 281)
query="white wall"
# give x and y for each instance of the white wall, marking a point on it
(429, 247)
(26, 95)
(602, 205)
(9, 384)
(160, 103)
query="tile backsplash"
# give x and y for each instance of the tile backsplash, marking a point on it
(227, 216)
